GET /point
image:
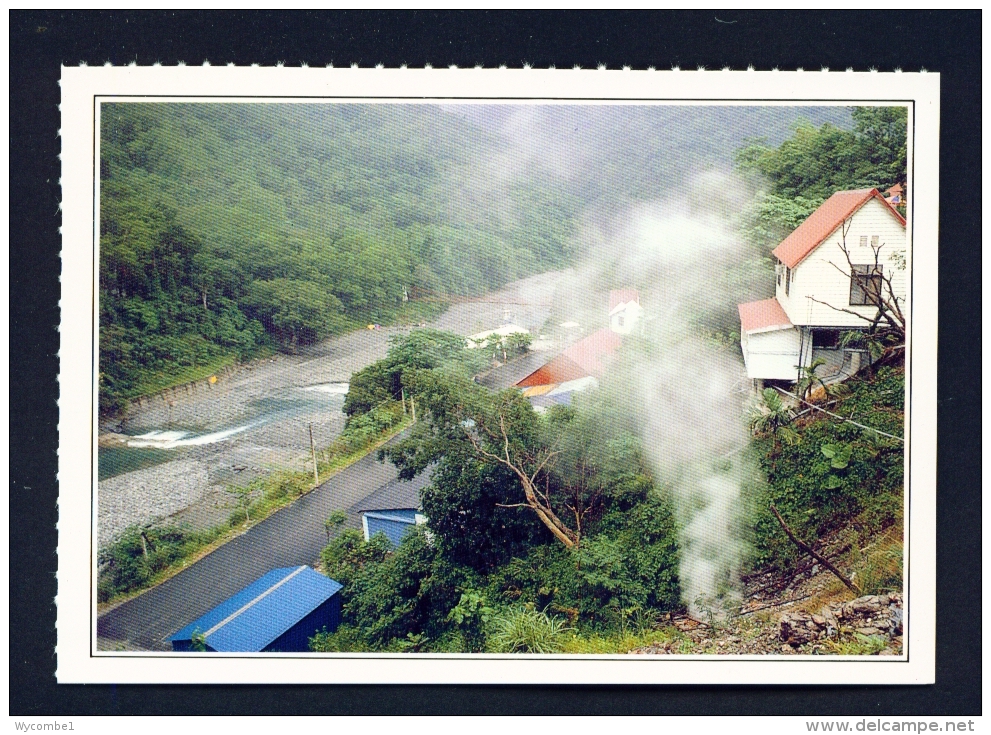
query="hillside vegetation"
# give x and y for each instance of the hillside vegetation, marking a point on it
(551, 533)
(229, 229)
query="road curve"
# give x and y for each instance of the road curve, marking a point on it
(292, 536)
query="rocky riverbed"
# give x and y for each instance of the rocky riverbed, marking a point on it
(178, 453)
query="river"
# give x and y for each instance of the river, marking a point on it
(177, 458)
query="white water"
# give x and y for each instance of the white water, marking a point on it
(333, 388)
(175, 439)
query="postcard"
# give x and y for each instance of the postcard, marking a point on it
(497, 376)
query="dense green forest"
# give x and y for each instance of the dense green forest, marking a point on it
(805, 170)
(230, 229)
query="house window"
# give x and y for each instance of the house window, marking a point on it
(825, 339)
(874, 241)
(619, 320)
(863, 241)
(865, 282)
(787, 281)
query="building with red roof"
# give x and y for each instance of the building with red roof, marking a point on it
(819, 289)
(588, 357)
(895, 196)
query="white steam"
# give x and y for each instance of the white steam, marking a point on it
(685, 391)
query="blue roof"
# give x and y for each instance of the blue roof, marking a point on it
(262, 611)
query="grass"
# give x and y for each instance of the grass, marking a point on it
(273, 492)
(857, 645)
(618, 642)
(525, 630)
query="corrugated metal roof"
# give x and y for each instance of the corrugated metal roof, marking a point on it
(506, 376)
(262, 611)
(824, 221)
(395, 495)
(766, 315)
(558, 370)
(587, 356)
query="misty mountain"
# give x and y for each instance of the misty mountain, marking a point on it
(225, 227)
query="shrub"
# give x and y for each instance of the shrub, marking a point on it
(132, 561)
(525, 630)
(836, 473)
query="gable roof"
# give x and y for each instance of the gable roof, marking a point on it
(622, 296)
(587, 356)
(823, 222)
(261, 612)
(762, 316)
(395, 495)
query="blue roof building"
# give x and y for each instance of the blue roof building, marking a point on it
(393, 523)
(394, 509)
(281, 611)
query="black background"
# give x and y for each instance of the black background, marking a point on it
(41, 41)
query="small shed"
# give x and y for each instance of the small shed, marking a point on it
(768, 340)
(394, 509)
(280, 611)
(394, 523)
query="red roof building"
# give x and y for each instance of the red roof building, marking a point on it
(895, 195)
(586, 357)
(763, 316)
(824, 221)
(622, 296)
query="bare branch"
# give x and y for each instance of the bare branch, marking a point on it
(818, 557)
(869, 320)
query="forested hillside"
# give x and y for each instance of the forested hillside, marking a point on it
(229, 229)
(805, 170)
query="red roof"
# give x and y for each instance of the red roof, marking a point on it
(587, 356)
(622, 296)
(765, 315)
(824, 221)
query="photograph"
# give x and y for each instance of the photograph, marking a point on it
(501, 377)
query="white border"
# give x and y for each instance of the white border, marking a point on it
(77, 663)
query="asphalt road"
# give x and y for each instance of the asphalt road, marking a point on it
(292, 536)
(295, 535)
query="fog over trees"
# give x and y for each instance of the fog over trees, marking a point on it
(230, 228)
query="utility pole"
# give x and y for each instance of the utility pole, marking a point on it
(313, 454)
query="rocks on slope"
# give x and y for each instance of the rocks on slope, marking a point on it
(870, 615)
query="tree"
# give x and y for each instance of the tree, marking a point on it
(887, 323)
(815, 162)
(297, 312)
(809, 380)
(771, 416)
(334, 521)
(553, 473)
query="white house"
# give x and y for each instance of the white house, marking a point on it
(625, 311)
(812, 275)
